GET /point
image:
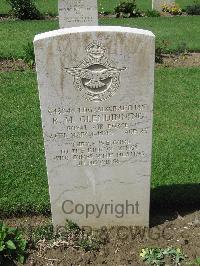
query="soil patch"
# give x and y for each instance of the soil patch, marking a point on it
(6, 17)
(162, 14)
(122, 244)
(12, 65)
(182, 60)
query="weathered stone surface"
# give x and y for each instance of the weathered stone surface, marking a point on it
(96, 93)
(157, 4)
(75, 13)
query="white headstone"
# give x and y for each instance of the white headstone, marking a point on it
(157, 4)
(75, 13)
(96, 89)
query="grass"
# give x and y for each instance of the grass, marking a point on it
(176, 150)
(176, 159)
(23, 179)
(179, 31)
(176, 31)
(177, 125)
(19, 33)
(142, 4)
(51, 6)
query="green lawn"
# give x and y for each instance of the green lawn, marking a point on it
(143, 5)
(177, 31)
(176, 149)
(51, 6)
(18, 33)
(23, 180)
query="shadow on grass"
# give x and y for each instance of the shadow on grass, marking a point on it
(170, 201)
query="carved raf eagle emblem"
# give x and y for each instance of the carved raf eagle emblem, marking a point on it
(95, 77)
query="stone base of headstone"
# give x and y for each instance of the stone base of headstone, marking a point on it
(96, 88)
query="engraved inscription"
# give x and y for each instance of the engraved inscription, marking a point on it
(84, 138)
(100, 154)
(96, 78)
(78, 12)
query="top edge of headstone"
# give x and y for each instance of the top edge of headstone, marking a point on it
(59, 32)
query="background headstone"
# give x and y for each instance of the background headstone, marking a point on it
(96, 94)
(75, 13)
(157, 4)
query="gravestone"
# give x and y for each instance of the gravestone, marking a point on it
(75, 13)
(96, 95)
(157, 4)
